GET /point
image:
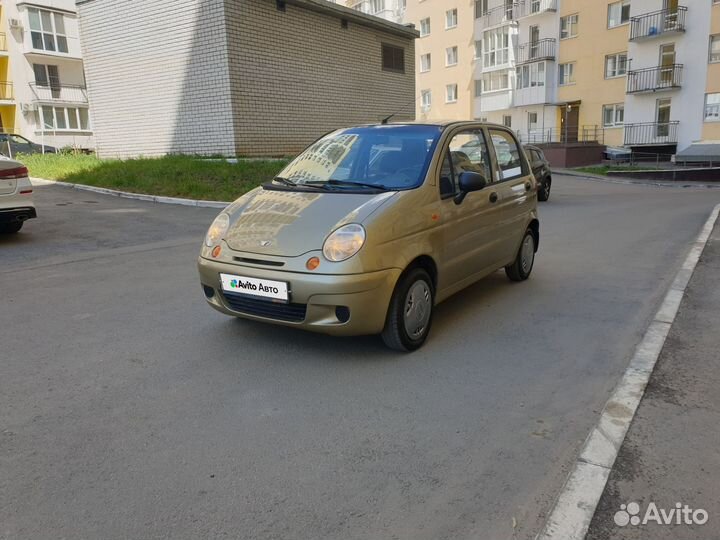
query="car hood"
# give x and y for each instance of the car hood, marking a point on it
(291, 223)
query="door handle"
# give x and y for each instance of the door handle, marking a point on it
(493, 197)
(528, 186)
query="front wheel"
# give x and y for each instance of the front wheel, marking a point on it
(11, 228)
(410, 313)
(521, 267)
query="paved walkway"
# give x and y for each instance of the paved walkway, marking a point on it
(672, 451)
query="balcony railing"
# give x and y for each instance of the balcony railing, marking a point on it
(6, 91)
(588, 134)
(534, 51)
(651, 133)
(506, 13)
(654, 79)
(526, 8)
(657, 23)
(65, 93)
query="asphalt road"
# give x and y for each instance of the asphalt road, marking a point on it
(129, 409)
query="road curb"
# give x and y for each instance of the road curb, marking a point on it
(135, 196)
(634, 182)
(575, 505)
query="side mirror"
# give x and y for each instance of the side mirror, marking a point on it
(469, 181)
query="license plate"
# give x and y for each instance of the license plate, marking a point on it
(265, 288)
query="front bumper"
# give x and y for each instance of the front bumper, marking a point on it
(314, 298)
(13, 215)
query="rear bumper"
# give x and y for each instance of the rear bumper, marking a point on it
(314, 301)
(13, 215)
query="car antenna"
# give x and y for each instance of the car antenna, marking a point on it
(385, 120)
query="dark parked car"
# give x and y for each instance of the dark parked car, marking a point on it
(541, 170)
(11, 144)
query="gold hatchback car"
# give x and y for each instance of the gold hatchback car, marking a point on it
(368, 229)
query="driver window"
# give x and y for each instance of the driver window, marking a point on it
(468, 151)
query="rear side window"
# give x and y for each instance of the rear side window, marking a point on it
(507, 154)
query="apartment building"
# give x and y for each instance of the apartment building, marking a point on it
(390, 10)
(239, 77)
(42, 81)
(643, 74)
(445, 54)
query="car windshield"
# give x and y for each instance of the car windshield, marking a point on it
(388, 157)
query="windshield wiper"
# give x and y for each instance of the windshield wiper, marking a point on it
(349, 183)
(285, 181)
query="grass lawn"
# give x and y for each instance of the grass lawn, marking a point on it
(170, 176)
(603, 169)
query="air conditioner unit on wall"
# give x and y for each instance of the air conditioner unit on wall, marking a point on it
(15, 23)
(28, 107)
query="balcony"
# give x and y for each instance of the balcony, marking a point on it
(657, 23)
(504, 14)
(651, 133)
(3, 44)
(7, 92)
(64, 93)
(526, 8)
(534, 51)
(654, 79)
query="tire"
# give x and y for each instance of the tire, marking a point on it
(11, 228)
(521, 267)
(544, 191)
(414, 295)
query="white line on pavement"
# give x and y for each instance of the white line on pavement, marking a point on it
(579, 497)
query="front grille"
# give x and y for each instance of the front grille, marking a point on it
(265, 308)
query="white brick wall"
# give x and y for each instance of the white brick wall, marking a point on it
(232, 77)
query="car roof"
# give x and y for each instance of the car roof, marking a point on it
(440, 123)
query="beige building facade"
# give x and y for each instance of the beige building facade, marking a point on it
(643, 74)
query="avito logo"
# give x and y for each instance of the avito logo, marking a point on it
(630, 514)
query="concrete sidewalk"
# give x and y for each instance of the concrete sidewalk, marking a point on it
(671, 453)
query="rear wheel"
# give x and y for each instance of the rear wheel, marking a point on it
(544, 191)
(521, 267)
(410, 313)
(11, 228)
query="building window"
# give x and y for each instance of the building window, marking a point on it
(376, 6)
(532, 120)
(478, 50)
(615, 65)
(618, 13)
(569, 26)
(426, 99)
(64, 118)
(494, 82)
(613, 115)
(46, 75)
(566, 73)
(47, 30)
(530, 75)
(425, 62)
(425, 27)
(451, 93)
(451, 56)
(495, 47)
(393, 58)
(478, 87)
(715, 48)
(451, 19)
(712, 107)
(507, 120)
(481, 7)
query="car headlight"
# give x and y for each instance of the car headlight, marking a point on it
(344, 242)
(217, 230)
